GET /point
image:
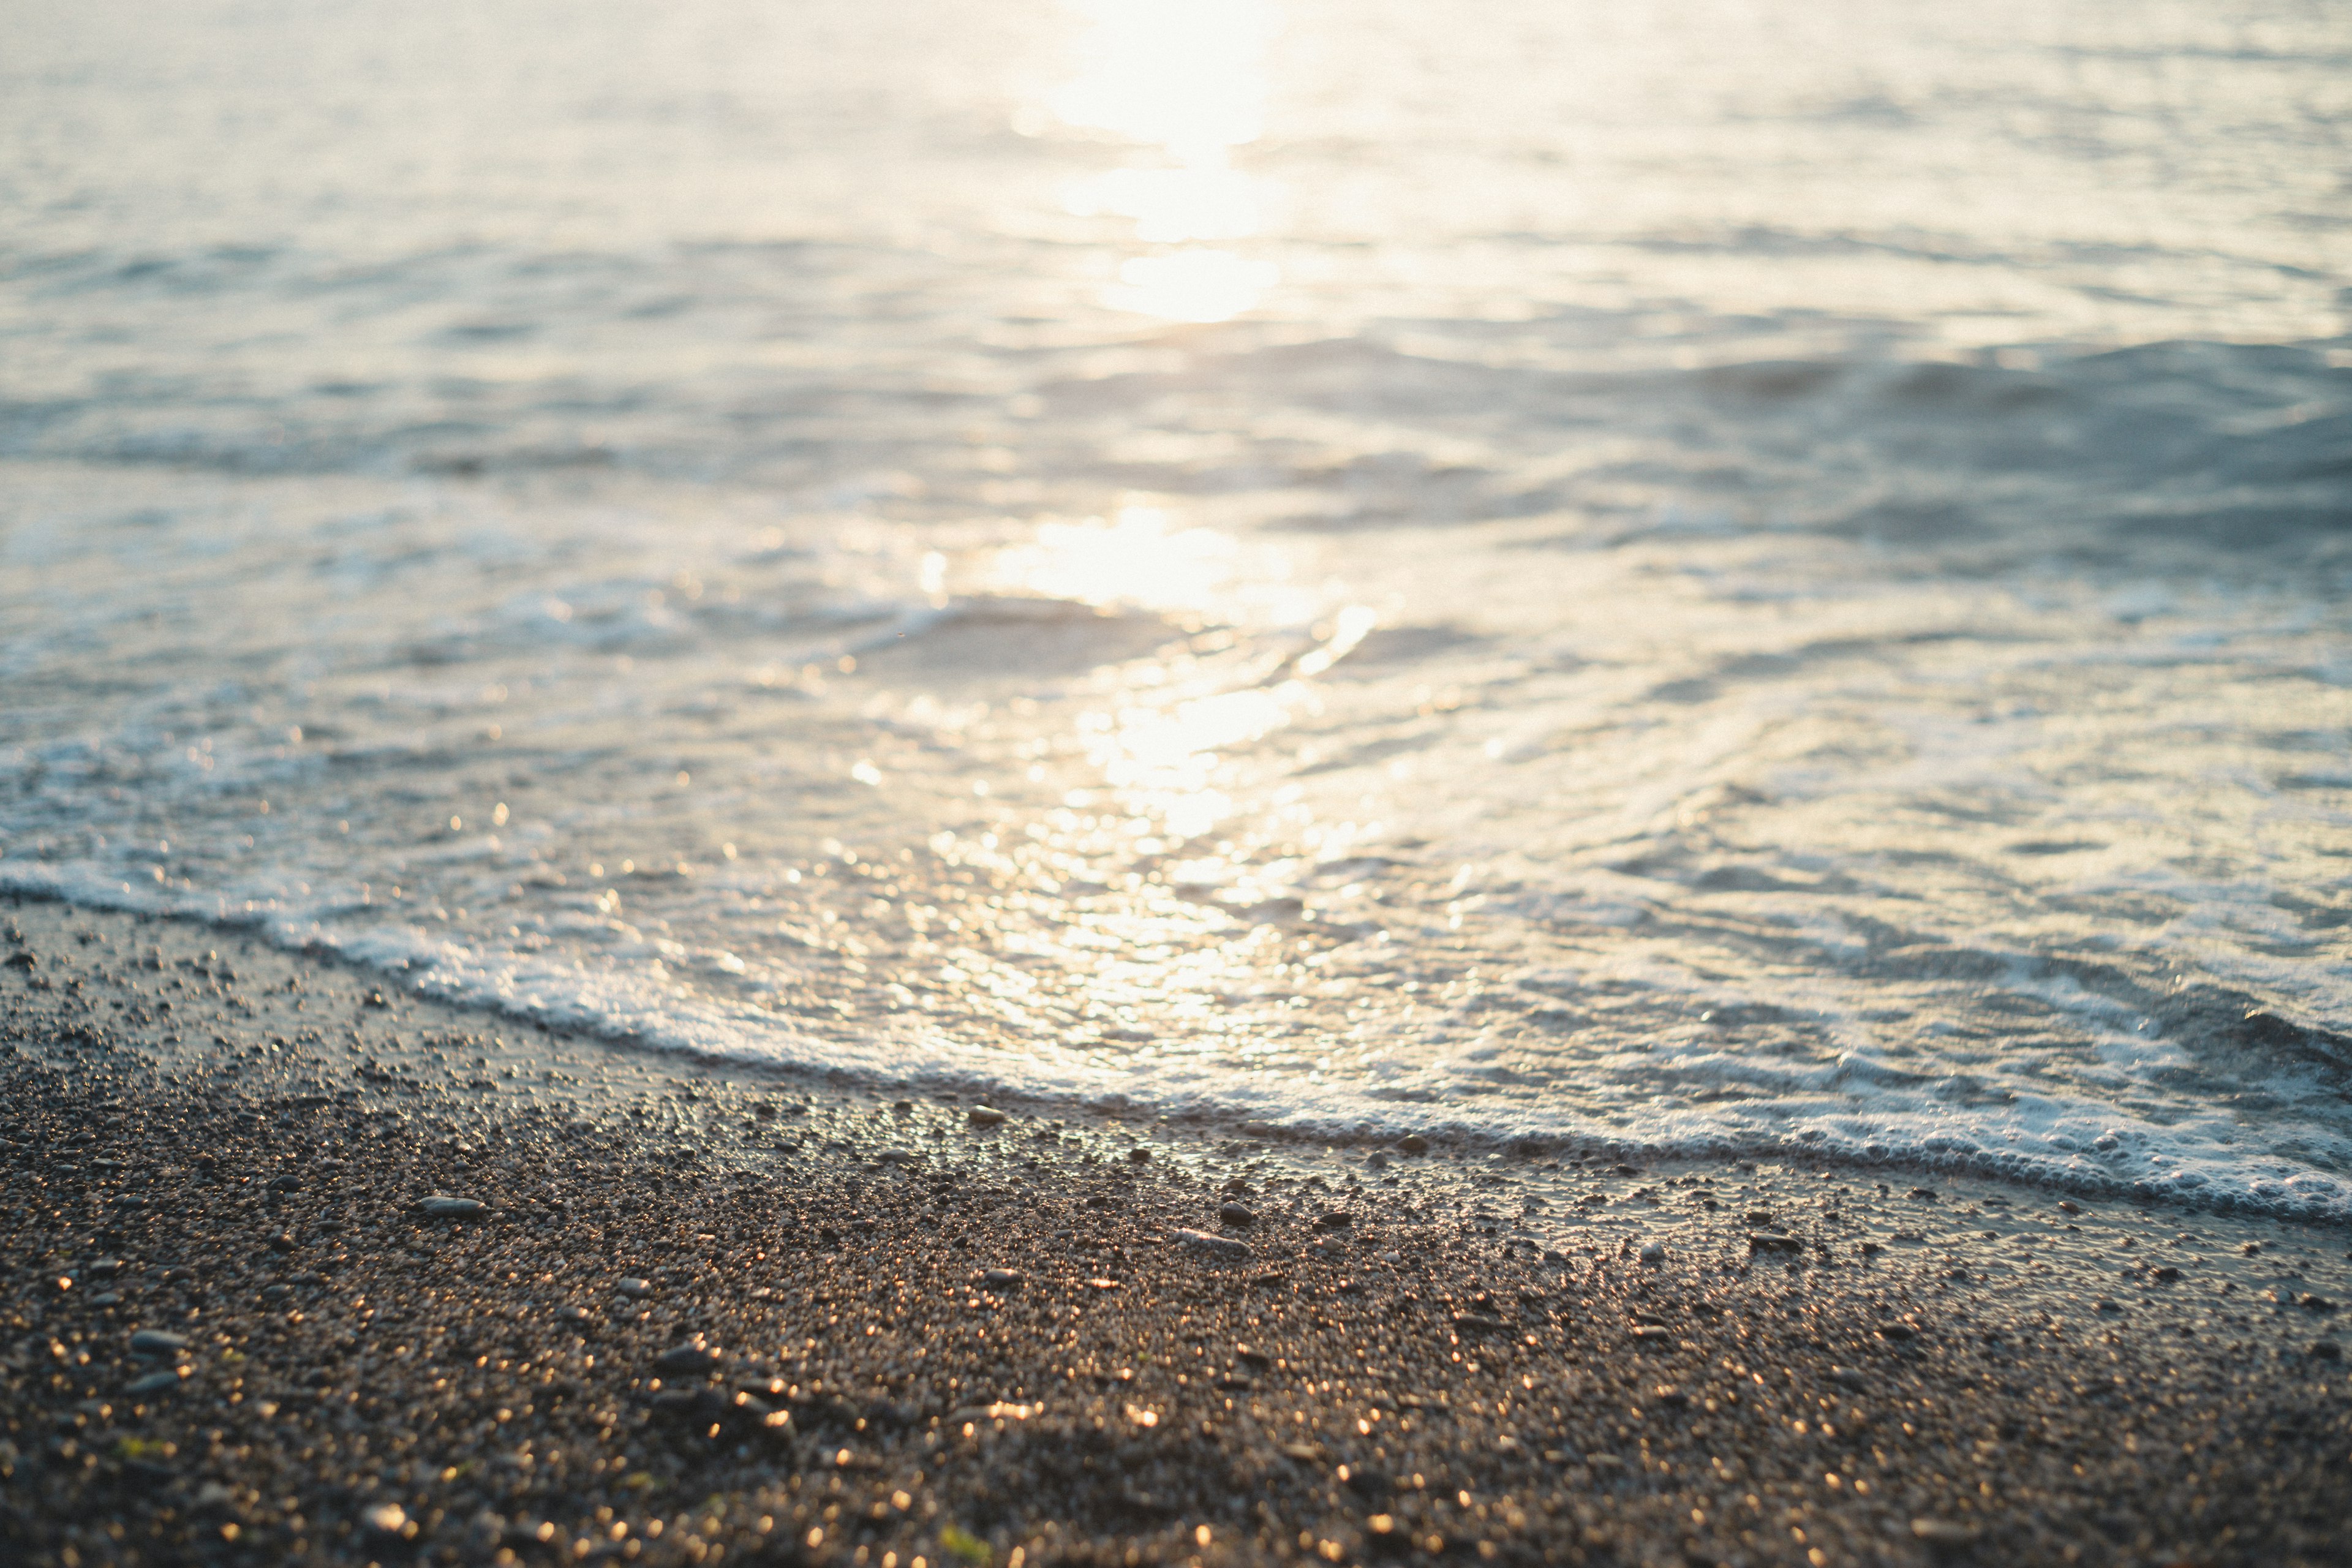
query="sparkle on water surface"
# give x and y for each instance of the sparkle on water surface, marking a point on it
(1715, 575)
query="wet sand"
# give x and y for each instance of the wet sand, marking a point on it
(683, 1314)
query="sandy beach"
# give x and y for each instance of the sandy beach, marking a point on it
(425, 1284)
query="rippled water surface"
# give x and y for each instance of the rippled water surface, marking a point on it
(1710, 574)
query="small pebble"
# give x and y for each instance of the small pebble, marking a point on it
(1414, 1143)
(1654, 1252)
(1235, 1214)
(440, 1206)
(1218, 1247)
(1943, 1532)
(156, 1343)
(985, 1116)
(1335, 1219)
(633, 1286)
(1002, 1279)
(389, 1520)
(154, 1383)
(692, 1356)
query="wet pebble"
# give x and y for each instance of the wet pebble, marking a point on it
(156, 1343)
(985, 1116)
(1003, 1278)
(1236, 1215)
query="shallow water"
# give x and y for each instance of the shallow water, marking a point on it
(1710, 579)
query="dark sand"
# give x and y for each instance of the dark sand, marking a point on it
(942, 1343)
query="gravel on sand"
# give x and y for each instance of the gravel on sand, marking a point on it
(638, 1327)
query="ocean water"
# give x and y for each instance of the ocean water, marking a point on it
(1707, 576)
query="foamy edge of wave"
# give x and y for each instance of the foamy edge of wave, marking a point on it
(2083, 1147)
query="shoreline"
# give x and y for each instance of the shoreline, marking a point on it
(603, 1054)
(1005, 1335)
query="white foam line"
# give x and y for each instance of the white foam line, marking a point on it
(2077, 1144)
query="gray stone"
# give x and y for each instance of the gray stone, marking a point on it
(1223, 1249)
(441, 1207)
(156, 1344)
(694, 1355)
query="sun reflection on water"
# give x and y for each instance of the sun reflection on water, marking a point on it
(1185, 82)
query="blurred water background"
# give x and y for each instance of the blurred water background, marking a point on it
(1709, 575)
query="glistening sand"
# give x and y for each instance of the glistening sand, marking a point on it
(1462, 1372)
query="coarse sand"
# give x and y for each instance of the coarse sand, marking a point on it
(300, 1266)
